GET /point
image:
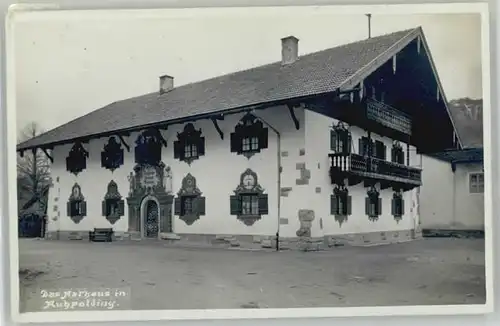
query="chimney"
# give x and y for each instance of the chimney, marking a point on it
(289, 50)
(166, 83)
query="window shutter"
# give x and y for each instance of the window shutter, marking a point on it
(200, 205)
(333, 140)
(84, 208)
(401, 157)
(367, 206)
(177, 149)
(68, 208)
(104, 162)
(393, 207)
(177, 206)
(333, 205)
(235, 205)
(235, 143)
(104, 210)
(121, 207)
(349, 205)
(393, 155)
(361, 148)
(402, 207)
(263, 205)
(201, 146)
(263, 138)
(379, 208)
(384, 151)
(348, 143)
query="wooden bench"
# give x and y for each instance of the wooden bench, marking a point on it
(101, 235)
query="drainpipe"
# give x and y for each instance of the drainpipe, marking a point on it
(278, 183)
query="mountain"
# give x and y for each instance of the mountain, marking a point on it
(467, 114)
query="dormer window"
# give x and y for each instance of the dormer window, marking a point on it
(76, 161)
(249, 136)
(397, 153)
(189, 145)
(340, 139)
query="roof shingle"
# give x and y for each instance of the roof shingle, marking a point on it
(311, 74)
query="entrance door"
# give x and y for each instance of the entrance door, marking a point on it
(151, 221)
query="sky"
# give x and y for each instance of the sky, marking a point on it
(69, 64)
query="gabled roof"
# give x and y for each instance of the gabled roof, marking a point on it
(312, 74)
(468, 155)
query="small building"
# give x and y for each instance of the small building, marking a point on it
(320, 146)
(461, 186)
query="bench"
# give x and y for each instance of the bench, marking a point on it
(101, 235)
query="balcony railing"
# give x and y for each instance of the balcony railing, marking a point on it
(388, 116)
(375, 168)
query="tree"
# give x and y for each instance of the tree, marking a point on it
(33, 172)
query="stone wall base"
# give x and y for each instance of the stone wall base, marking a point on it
(256, 242)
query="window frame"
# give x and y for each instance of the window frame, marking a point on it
(251, 128)
(189, 191)
(373, 204)
(190, 145)
(476, 187)
(76, 206)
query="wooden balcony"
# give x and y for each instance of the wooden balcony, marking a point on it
(357, 168)
(388, 116)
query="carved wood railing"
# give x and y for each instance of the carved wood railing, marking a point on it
(356, 163)
(388, 116)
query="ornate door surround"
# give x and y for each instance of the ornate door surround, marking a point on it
(147, 183)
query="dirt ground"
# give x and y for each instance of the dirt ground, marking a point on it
(422, 272)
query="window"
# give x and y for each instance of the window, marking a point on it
(398, 206)
(365, 146)
(249, 136)
(249, 202)
(397, 154)
(373, 204)
(340, 139)
(76, 207)
(476, 183)
(112, 155)
(190, 145)
(379, 150)
(189, 204)
(113, 206)
(148, 147)
(340, 204)
(76, 161)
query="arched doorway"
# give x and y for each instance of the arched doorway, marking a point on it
(150, 218)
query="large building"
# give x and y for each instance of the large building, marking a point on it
(321, 146)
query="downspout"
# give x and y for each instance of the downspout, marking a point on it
(278, 182)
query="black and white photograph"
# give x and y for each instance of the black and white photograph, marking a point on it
(249, 159)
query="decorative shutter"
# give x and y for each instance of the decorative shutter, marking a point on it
(401, 157)
(367, 206)
(235, 205)
(361, 148)
(402, 207)
(68, 208)
(177, 149)
(84, 208)
(200, 205)
(384, 151)
(235, 143)
(104, 162)
(379, 208)
(137, 153)
(104, 210)
(333, 140)
(177, 206)
(201, 146)
(121, 207)
(393, 207)
(263, 138)
(263, 205)
(394, 157)
(349, 205)
(333, 205)
(349, 143)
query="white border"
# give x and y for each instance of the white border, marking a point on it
(144, 315)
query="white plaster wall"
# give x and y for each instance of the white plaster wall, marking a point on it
(317, 139)
(217, 175)
(446, 202)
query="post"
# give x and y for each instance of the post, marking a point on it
(369, 25)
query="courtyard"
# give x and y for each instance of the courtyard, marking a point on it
(422, 272)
